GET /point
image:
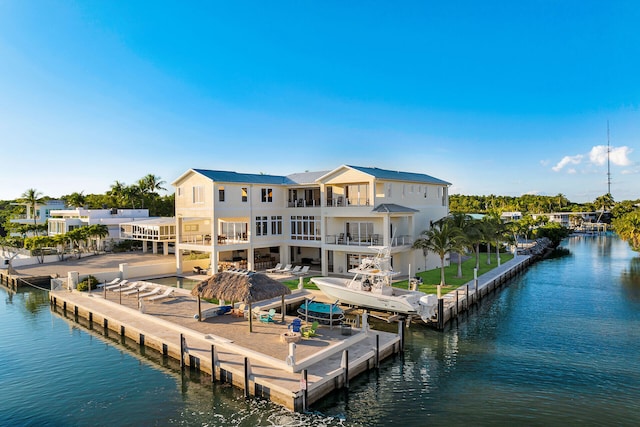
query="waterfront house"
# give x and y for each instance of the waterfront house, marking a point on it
(325, 219)
(39, 215)
(64, 220)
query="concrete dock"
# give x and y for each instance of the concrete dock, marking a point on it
(294, 375)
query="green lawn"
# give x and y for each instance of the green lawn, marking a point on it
(293, 284)
(431, 278)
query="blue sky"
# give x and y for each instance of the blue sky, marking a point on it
(501, 98)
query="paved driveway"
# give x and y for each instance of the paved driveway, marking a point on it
(90, 264)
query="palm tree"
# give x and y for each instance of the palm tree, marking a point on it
(489, 230)
(148, 187)
(118, 193)
(99, 232)
(441, 239)
(75, 199)
(604, 202)
(32, 197)
(461, 222)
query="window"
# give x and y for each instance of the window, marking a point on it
(198, 194)
(179, 191)
(244, 194)
(305, 228)
(389, 190)
(192, 227)
(233, 231)
(261, 226)
(221, 194)
(267, 195)
(361, 232)
(276, 225)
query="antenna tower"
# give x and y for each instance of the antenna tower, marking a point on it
(608, 163)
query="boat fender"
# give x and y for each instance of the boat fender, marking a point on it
(290, 361)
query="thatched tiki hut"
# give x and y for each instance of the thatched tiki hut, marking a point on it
(247, 287)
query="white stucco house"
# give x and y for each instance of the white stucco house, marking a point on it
(325, 219)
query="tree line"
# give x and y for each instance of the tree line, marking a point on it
(143, 194)
(460, 233)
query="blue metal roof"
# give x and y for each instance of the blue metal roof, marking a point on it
(400, 176)
(246, 178)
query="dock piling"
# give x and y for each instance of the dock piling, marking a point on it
(246, 377)
(305, 393)
(213, 363)
(377, 351)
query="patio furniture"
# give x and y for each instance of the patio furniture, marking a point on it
(267, 318)
(274, 269)
(310, 331)
(304, 270)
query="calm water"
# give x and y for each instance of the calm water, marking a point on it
(560, 345)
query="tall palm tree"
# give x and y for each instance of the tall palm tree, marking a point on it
(75, 199)
(461, 222)
(149, 185)
(441, 239)
(32, 197)
(604, 203)
(118, 193)
(98, 232)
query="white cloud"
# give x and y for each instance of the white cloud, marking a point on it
(567, 160)
(618, 155)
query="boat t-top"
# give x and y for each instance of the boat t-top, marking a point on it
(371, 287)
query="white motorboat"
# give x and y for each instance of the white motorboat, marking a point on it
(371, 287)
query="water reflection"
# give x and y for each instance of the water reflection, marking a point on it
(630, 279)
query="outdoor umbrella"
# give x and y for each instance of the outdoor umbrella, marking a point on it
(245, 286)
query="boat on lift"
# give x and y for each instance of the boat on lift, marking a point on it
(371, 287)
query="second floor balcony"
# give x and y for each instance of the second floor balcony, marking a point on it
(369, 240)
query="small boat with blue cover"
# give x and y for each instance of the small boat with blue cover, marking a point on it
(325, 314)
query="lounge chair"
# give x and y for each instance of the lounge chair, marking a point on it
(285, 269)
(111, 283)
(131, 286)
(266, 318)
(304, 270)
(117, 285)
(152, 292)
(137, 289)
(166, 294)
(296, 269)
(274, 269)
(310, 331)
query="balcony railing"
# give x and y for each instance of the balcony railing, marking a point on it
(371, 240)
(302, 203)
(231, 239)
(196, 239)
(340, 201)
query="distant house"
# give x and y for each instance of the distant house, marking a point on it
(510, 216)
(326, 219)
(64, 220)
(38, 216)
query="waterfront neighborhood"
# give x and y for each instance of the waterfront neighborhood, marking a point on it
(319, 214)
